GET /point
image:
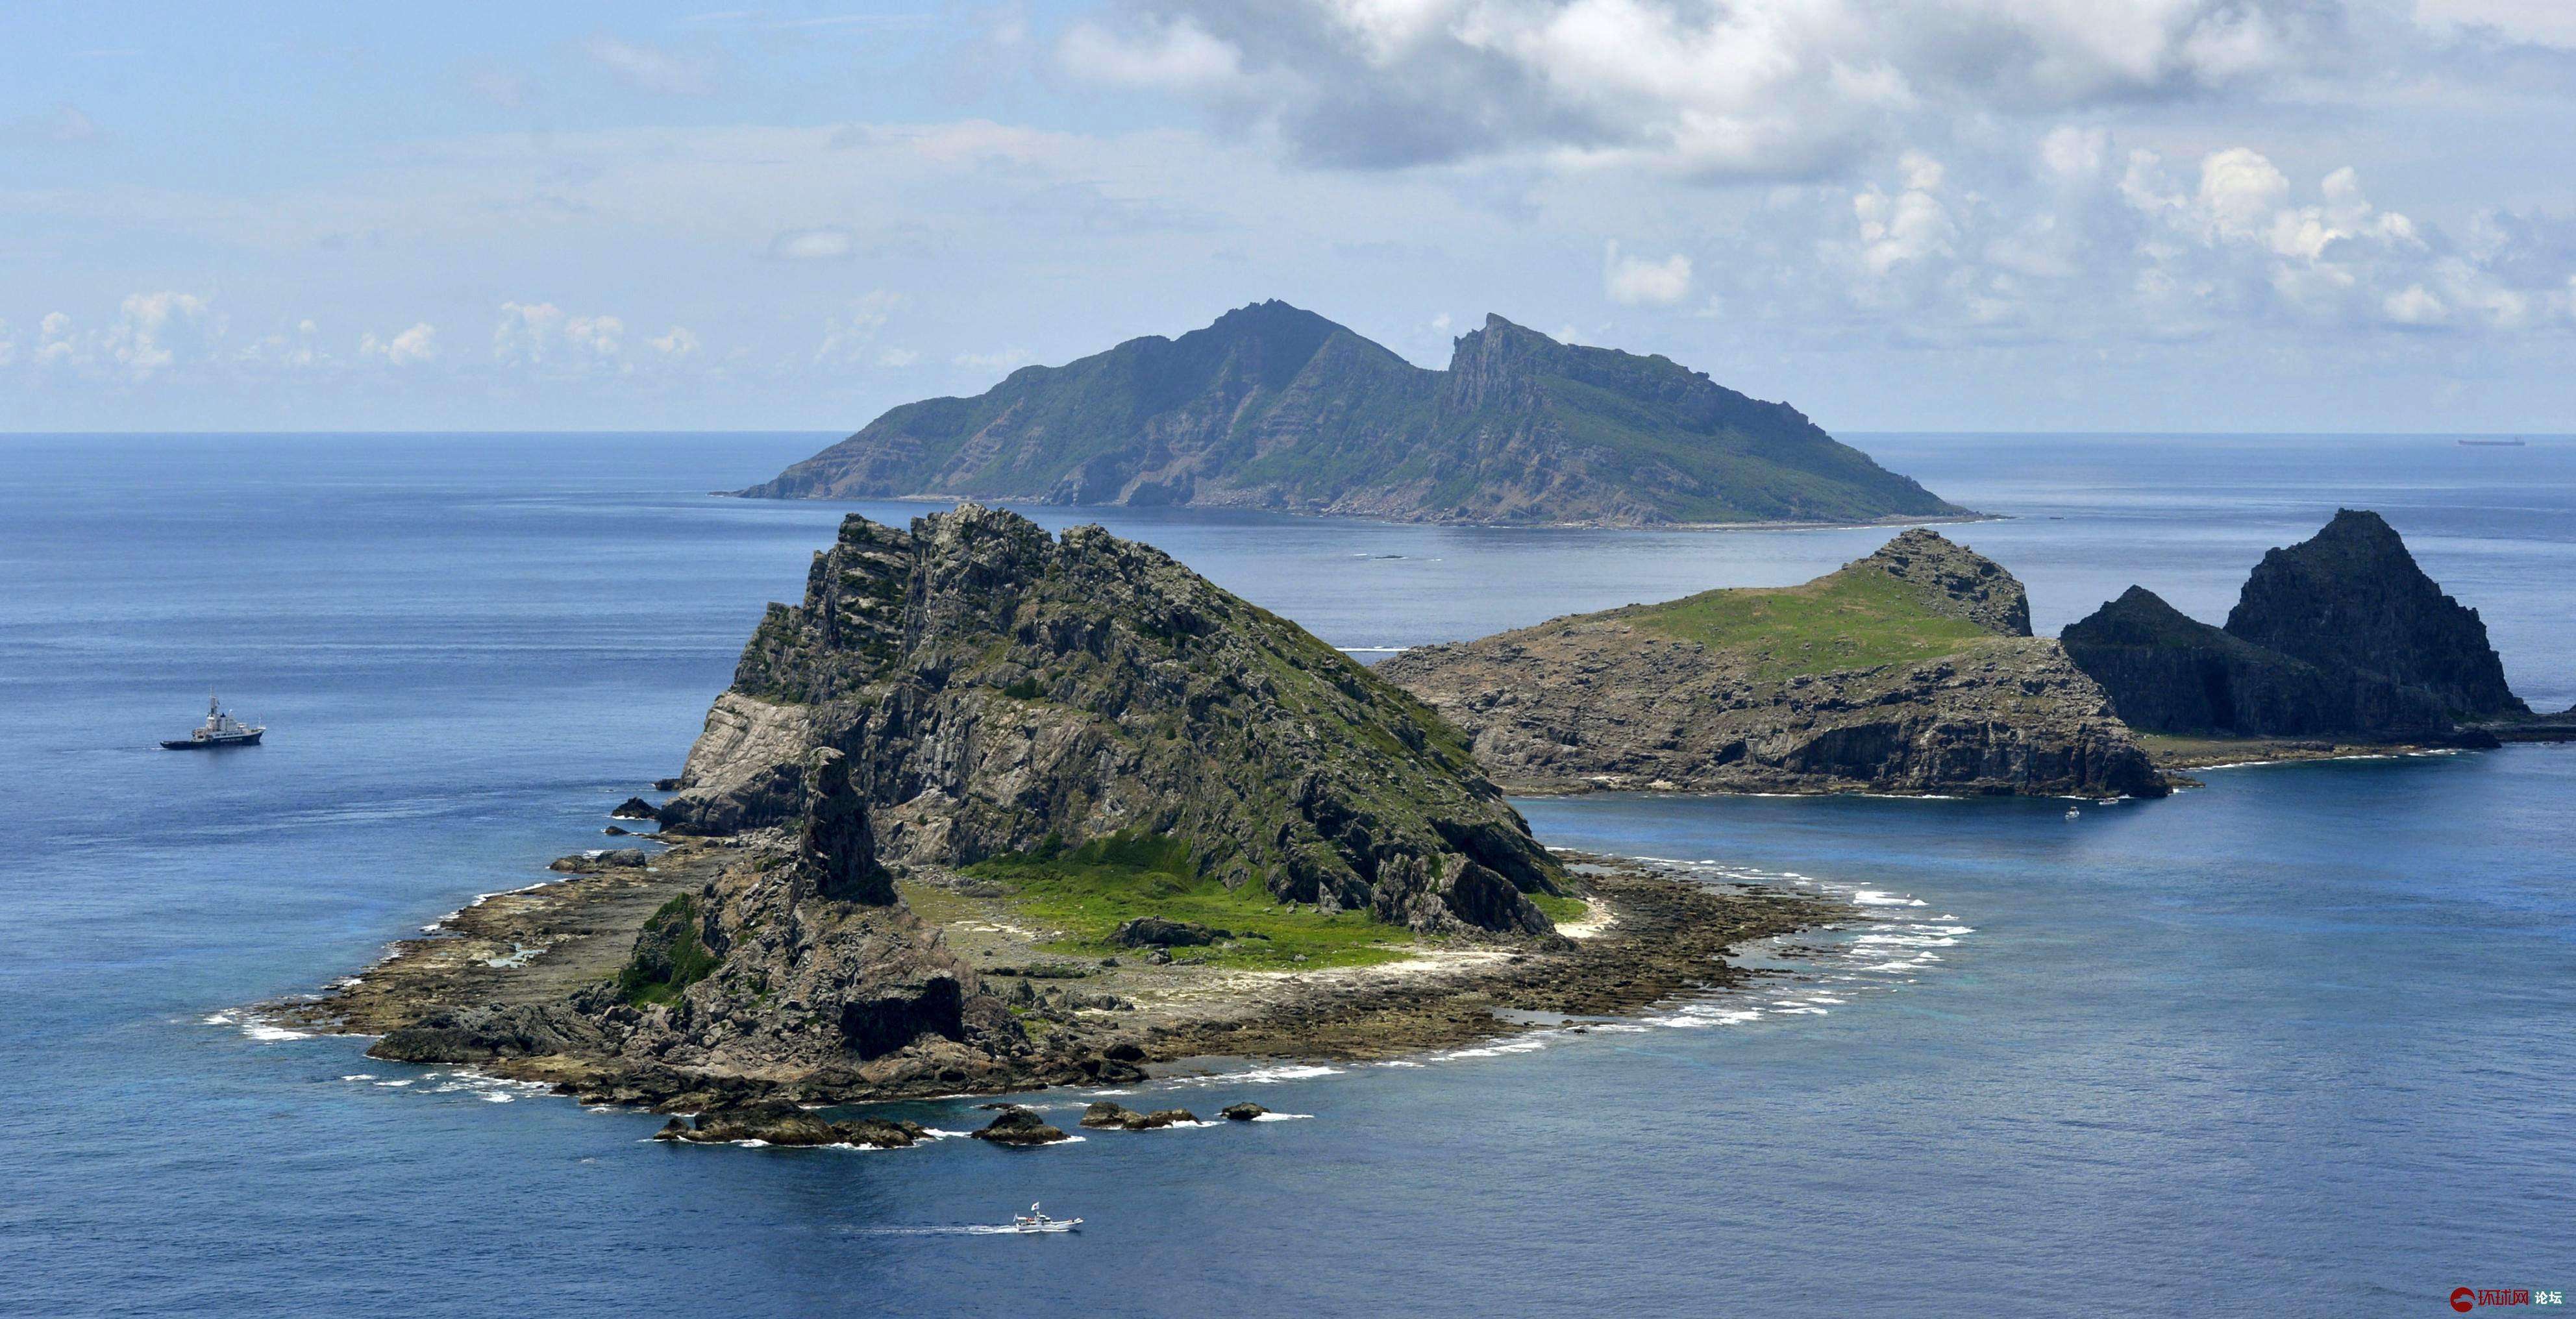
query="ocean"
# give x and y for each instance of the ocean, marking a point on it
(2296, 1042)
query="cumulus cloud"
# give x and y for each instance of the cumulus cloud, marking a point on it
(648, 69)
(2079, 252)
(1173, 55)
(417, 344)
(1751, 88)
(848, 336)
(897, 358)
(543, 334)
(1634, 279)
(153, 329)
(680, 342)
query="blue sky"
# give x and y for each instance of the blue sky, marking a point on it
(1940, 214)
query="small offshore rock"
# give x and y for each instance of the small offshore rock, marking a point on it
(614, 832)
(1243, 1112)
(776, 1124)
(1159, 1118)
(1017, 1126)
(1107, 1114)
(634, 808)
(883, 1133)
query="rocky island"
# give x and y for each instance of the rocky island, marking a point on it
(1273, 407)
(1910, 671)
(991, 810)
(2339, 639)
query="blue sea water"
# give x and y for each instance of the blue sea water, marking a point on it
(2298, 1042)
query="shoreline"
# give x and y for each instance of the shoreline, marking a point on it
(1648, 937)
(1040, 501)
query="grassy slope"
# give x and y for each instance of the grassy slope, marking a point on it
(1854, 619)
(1090, 891)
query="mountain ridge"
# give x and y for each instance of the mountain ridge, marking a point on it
(1275, 407)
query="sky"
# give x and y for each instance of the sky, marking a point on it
(2095, 215)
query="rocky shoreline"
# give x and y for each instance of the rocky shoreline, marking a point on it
(473, 990)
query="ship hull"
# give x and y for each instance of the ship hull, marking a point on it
(211, 743)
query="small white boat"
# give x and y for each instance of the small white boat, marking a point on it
(2074, 812)
(1035, 1220)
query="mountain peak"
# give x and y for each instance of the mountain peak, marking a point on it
(1272, 406)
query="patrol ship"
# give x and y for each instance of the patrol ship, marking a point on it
(219, 730)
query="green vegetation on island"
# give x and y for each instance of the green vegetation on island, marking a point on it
(1274, 407)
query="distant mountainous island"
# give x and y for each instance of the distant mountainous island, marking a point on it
(1277, 408)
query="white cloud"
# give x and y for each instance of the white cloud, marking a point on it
(543, 334)
(1176, 55)
(897, 358)
(1750, 88)
(2414, 306)
(680, 342)
(648, 69)
(417, 344)
(8, 345)
(2075, 153)
(153, 329)
(595, 335)
(1633, 280)
(811, 245)
(847, 337)
(2240, 191)
(1008, 359)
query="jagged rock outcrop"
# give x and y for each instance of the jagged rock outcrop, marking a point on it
(835, 843)
(2342, 635)
(1274, 407)
(1911, 670)
(2351, 597)
(995, 691)
(2175, 674)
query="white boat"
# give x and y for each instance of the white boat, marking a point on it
(1036, 1220)
(2074, 812)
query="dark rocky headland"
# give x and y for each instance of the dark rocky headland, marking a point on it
(2339, 639)
(1912, 670)
(990, 810)
(1277, 408)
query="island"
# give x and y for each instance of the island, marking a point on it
(991, 810)
(1912, 670)
(2336, 644)
(1273, 407)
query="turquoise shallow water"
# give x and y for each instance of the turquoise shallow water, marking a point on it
(2295, 1043)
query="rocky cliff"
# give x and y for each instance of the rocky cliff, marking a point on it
(1274, 407)
(2352, 597)
(1911, 670)
(998, 693)
(2342, 635)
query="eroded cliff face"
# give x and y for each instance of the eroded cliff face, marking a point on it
(996, 691)
(2352, 597)
(1629, 698)
(2175, 674)
(2342, 635)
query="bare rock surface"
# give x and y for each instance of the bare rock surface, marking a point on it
(1911, 670)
